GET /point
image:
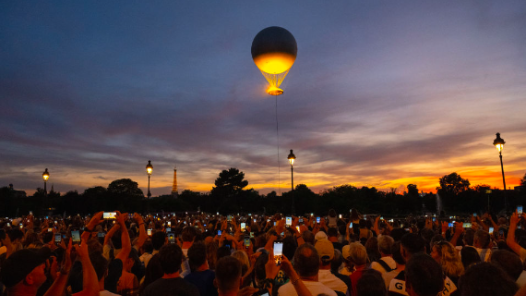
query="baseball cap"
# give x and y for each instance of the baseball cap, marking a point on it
(325, 249)
(21, 263)
(346, 251)
(320, 235)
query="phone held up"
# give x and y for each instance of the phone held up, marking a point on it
(278, 252)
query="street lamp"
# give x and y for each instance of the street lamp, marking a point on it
(291, 159)
(149, 170)
(499, 144)
(45, 176)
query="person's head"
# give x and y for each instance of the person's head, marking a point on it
(446, 255)
(306, 260)
(308, 237)
(171, 257)
(100, 264)
(469, 256)
(356, 254)
(25, 270)
(385, 244)
(228, 274)
(243, 258)
(411, 244)
(423, 276)
(189, 233)
(397, 256)
(485, 279)
(371, 284)
(158, 240)
(468, 236)
(222, 252)
(325, 251)
(148, 246)
(197, 255)
(332, 213)
(211, 254)
(337, 260)
(481, 239)
(509, 262)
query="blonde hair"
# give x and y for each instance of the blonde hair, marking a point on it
(451, 263)
(358, 254)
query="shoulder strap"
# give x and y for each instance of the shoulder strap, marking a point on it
(384, 265)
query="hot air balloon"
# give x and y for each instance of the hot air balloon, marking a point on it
(274, 51)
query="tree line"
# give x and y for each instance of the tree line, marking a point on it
(229, 195)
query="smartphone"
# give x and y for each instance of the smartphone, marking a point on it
(219, 232)
(251, 234)
(381, 218)
(301, 220)
(340, 216)
(168, 229)
(55, 222)
(217, 213)
(254, 220)
(75, 236)
(288, 221)
(474, 214)
(519, 210)
(58, 238)
(491, 230)
(101, 234)
(274, 223)
(171, 238)
(21, 226)
(249, 214)
(30, 212)
(246, 242)
(169, 224)
(8, 224)
(109, 215)
(350, 225)
(317, 219)
(311, 214)
(149, 232)
(229, 218)
(450, 225)
(434, 219)
(501, 232)
(243, 226)
(278, 252)
(50, 230)
(184, 222)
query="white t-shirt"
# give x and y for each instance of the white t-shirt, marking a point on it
(315, 288)
(388, 260)
(330, 280)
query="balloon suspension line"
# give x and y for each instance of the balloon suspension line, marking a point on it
(277, 136)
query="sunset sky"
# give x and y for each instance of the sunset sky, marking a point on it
(382, 93)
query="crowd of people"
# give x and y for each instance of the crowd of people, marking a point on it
(113, 253)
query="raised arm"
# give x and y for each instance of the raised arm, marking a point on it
(110, 233)
(125, 237)
(59, 285)
(90, 283)
(510, 240)
(142, 231)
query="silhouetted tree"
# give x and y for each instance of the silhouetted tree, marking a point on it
(229, 189)
(124, 195)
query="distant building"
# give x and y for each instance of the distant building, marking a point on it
(17, 193)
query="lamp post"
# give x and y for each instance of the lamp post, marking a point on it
(149, 170)
(499, 144)
(291, 159)
(45, 176)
